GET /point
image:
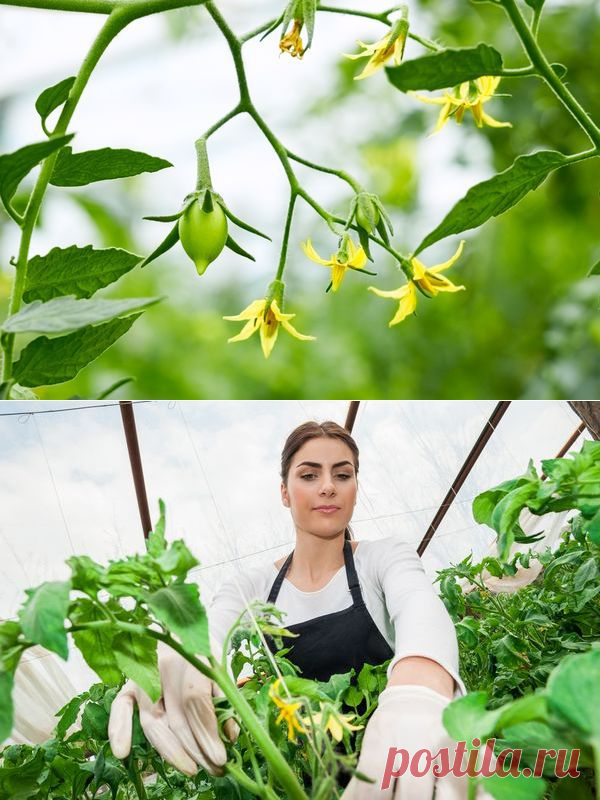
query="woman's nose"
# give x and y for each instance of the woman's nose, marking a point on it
(327, 485)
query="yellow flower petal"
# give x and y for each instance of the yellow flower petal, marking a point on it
(296, 334)
(494, 123)
(310, 251)
(337, 276)
(445, 264)
(253, 310)
(249, 328)
(407, 306)
(395, 294)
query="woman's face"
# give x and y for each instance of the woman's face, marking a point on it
(321, 487)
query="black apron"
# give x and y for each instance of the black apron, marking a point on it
(333, 643)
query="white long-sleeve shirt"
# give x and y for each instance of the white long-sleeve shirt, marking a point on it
(397, 592)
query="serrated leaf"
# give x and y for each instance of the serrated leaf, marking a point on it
(43, 616)
(68, 714)
(63, 315)
(233, 245)
(179, 609)
(78, 271)
(96, 645)
(80, 169)
(136, 657)
(15, 166)
(53, 97)
(167, 243)
(156, 543)
(496, 195)
(6, 705)
(47, 361)
(446, 68)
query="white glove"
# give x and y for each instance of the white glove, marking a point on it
(182, 725)
(409, 718)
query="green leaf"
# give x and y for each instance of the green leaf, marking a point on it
(15, 166)
(585, 573)
(167, 243)
(6, 705)
(177, 560)
(96, 645)
(68, 314)
(52, 98)
(136, 656)
(43, 616)
(94, 722)
(577, 678)
(179, 609)
(47, 361)
(595, 270)
(467, 718)
(446, 68)
(156, 543)
(535, 4)
(78, 271)
(79, 169)
(496, 195)
(68, 714)
(514, 787)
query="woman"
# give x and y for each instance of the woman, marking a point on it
(349, 603)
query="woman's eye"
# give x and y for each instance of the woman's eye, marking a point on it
(308, 475)
(344, 475)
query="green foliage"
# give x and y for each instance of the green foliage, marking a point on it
(79, 169)
(496, 195)
(78, 271)
(15, 166)
(67, 314)
(447, 67)
(42, 617)
(52, 98)
(45, 361)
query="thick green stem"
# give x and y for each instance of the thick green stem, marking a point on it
(114, 24)
(203, 180)
(286, 237)
(543, 67)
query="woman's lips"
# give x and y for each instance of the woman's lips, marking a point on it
(328, 509)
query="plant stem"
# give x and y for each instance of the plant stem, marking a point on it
(541, 63)
(220, 676)
(115, 23)
(286, 236)
(340, 173)
(203, 180)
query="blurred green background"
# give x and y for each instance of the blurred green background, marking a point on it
(528, 325)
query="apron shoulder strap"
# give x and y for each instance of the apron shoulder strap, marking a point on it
(351, 575)
(273, 594)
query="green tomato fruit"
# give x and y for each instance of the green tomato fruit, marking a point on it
(363, 220)
(203, 234)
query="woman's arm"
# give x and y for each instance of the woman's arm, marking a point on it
(416, 670)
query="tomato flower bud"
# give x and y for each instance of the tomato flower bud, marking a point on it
(203, 233)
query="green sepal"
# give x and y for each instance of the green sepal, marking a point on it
(382, 231)
(241, 224)
(309, 8)
(233, 245)
(272, 27)
(365, 271)
(329, 287)
(363, 238)
(166, 217)
(167, 243)
(205, 199)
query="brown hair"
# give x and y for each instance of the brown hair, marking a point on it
(314, 430)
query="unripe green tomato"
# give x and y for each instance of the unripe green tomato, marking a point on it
(363, 220)
(203, 234)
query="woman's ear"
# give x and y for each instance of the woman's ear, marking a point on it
(284, 495)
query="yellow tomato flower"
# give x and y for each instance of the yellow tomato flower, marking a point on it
(430, 281)
(292, 43)
(336, 722)
(349, 256)
(391, 46)
(267, 319)
(469, 96)
(288, 712)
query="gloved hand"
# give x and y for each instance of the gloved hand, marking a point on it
(408, 717)
(182, 725)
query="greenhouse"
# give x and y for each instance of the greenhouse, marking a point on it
(130, 533)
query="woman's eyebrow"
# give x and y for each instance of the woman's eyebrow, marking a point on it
(315, 464)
